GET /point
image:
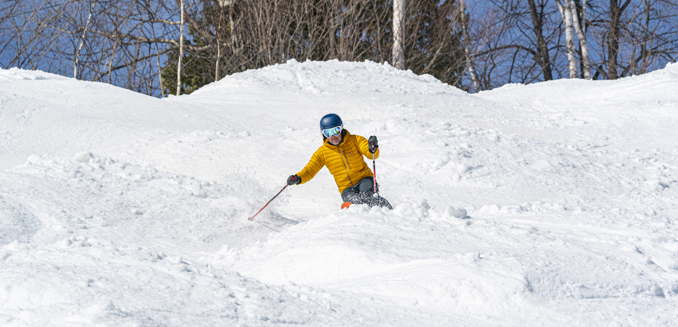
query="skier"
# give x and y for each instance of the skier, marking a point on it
(343, 153)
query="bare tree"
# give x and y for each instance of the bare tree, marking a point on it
(181, 49)
(650, 35)
(82, 40)
(27, 38)
(579, 21)
(538, 13)
(521, 43)
(398, 34)
(466, 44)
(635, 36)
(617, 8)
(565, 8)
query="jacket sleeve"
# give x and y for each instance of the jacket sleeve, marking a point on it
(313, 167)
(364, 147)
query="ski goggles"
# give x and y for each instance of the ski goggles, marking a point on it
(332, 131)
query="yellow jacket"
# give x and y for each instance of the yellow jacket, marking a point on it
(345, 161)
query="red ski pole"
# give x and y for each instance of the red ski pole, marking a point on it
(374, 169)
(260, 210)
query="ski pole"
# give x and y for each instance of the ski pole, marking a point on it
(374, 169)
(250, 218)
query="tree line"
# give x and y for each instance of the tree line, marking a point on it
(523, 41)
(159, 47)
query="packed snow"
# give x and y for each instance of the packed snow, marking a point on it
(551, 204)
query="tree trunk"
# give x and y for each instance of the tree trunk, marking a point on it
(542, 56)
(82, 41)
(110, 65)
(181, 49)
(467, 55)
(217, 34)
(645, 52)
(157, 59)
(216, 68)
(616, 11)
(580, 28)
(613, 42)
(398, 34)
(565, 7)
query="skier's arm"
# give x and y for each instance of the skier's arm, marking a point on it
(364, 148)
(312, 168)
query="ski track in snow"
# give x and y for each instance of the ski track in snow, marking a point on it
(120, 209)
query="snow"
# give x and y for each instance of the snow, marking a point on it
(546, 204)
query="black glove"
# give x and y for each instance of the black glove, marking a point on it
(372, 142)
(293, 179)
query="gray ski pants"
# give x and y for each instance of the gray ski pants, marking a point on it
(363, 193)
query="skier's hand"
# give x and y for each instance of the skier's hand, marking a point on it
(373, 144)
(293, 179)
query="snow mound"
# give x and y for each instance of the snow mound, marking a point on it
(332, 77)
(647, 91)
(16, 74)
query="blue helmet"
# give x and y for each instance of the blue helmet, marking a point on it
(329, 121)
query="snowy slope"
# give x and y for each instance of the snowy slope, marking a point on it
(120, 209)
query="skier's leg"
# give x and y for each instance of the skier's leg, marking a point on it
(366, 189)
(360, 193)
(351, 194)
(363, 193)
